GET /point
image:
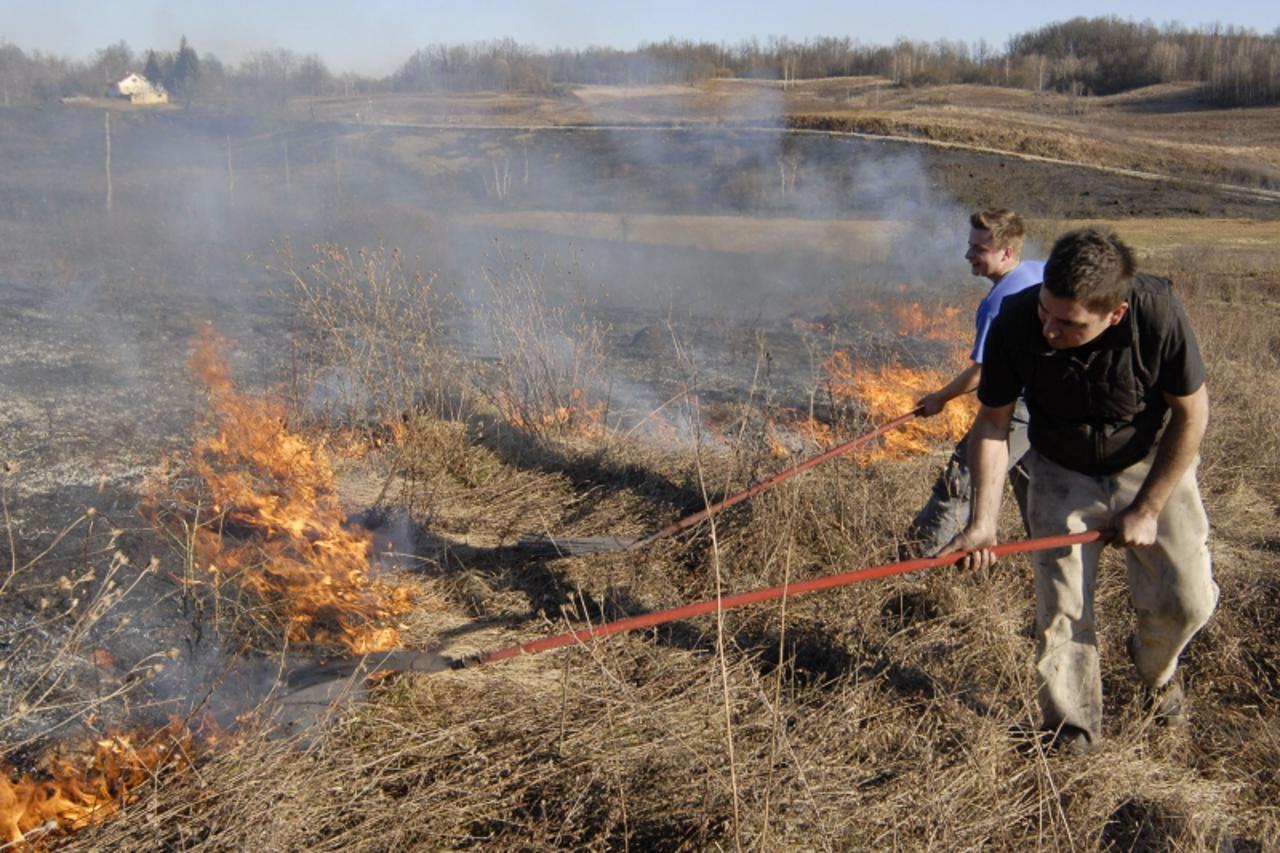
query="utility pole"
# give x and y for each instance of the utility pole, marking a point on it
(337, 166)
(288, 183)
(231, 175)
(107, 117)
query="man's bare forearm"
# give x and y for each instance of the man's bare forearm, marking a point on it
(1189, 417)
(988, 465)
(964, 382)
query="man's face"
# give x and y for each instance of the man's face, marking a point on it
(984, 258)
(1066, 323)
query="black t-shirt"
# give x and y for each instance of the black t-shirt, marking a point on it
(1097, 408)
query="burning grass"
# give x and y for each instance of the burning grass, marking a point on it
(890, 390)
(883, 715)
(66, 794)
(278, 557)
(273, 537)
(577, 416)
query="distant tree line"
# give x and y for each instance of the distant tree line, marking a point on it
(264, 78)
(1108, 55)
(1081, 56)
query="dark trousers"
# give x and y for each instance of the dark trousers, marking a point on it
(947, 511)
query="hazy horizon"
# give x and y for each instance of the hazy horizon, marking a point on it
(374, 38)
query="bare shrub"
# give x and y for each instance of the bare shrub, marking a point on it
(67, 680)
(549, 373)
(376, 363)
(377, 343)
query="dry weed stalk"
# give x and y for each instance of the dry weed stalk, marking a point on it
(48, 661)
(64, 759)
(550, 350)
(376, 365)
(382, 324)
(728, 708)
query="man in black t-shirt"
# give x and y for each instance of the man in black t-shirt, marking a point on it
(1115, 390)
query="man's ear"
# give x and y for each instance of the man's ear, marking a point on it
(1118, 314)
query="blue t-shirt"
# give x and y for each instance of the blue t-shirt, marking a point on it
(1024, 275)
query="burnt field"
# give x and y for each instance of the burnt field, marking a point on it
(307, 390)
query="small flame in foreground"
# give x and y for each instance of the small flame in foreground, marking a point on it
(63, 797)
(303, 567)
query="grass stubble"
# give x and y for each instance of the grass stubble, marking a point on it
(878, 716)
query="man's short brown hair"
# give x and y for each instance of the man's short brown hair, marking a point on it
(1005, 226)
(1091, 266)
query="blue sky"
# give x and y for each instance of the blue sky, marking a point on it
(374, 36)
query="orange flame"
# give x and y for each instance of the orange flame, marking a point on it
(792, 432)
(578, 417)
(777, 447)
(892, 390)
(814, 431)
(801, 325)
(944, 323)
(64, 797)
(297, 561)
(359, 442)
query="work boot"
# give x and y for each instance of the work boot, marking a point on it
(1167, 705)
(1071, 740)
(1062, 740)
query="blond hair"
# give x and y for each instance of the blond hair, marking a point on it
(1005, 226)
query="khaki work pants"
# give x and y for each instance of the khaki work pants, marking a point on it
(1171, 584)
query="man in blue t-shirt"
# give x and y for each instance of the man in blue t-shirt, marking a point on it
(995, 253)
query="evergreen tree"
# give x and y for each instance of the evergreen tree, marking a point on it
(186, 71)
(153, 72)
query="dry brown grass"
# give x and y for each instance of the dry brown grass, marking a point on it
(856, 242)
(882, 715)
(46, 656)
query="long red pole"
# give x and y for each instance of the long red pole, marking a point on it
(728, 602)
(752, 491)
